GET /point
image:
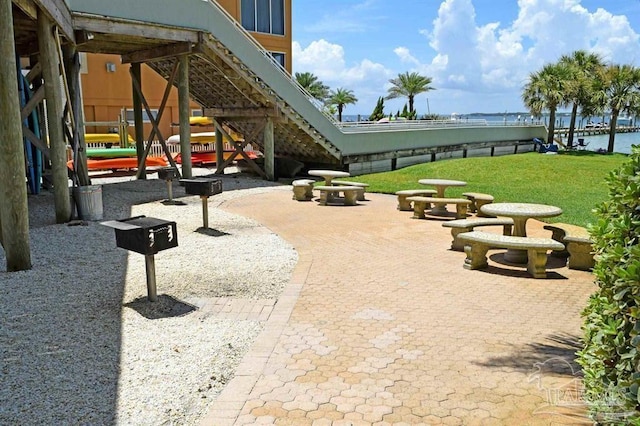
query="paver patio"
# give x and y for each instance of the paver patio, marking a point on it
(381, 324)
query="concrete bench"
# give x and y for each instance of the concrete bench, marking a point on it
(478, 200)
(420, 204)
(404, 205)
(328, 194)
(460, 226)
(303, 189)
(578, 243)
(363, 187)
(477, 243)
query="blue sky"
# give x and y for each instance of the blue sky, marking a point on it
(479, 53)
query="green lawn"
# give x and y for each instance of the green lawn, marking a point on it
(573, 181)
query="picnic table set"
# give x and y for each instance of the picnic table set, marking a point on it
(329, 192)
(472, 210)
(512, 217)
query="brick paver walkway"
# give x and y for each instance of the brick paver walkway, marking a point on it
(381, 324)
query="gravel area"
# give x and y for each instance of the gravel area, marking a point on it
(79, 342)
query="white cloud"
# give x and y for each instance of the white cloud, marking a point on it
(472, 64)
(367, 79)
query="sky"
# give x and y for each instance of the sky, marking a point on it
(478, 53)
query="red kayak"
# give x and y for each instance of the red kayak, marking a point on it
(124, 163)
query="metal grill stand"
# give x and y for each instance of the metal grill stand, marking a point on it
(148, 236)
(204, 188)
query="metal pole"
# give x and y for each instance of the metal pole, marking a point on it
(205, 211)
(170, 189)
(150, 264)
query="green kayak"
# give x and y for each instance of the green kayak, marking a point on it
(111, 152)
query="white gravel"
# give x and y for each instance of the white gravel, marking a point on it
(81, 345)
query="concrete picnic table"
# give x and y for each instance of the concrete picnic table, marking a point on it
(441, 185)
(328, 175)
(520, 213)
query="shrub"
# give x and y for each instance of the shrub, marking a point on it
(610, 357)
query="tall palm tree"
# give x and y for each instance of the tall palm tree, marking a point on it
(584, 67)
(341, 97)
(313, 85)
(546, 91)
(409, 84)
(617, 88)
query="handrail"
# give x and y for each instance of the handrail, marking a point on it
(374, 126)
(277, 65)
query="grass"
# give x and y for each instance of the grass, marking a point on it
(573, 181)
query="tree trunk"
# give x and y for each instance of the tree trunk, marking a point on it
(612, 130)
(552, 124)
(572, 125)
(14, 211)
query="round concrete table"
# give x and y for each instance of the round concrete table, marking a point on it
(520, 213)
(328, 175)
(440, 185)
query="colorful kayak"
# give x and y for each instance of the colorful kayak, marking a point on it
(125, 163)
(203, 158)
(97, 153)
(106, 138)
(201, 138)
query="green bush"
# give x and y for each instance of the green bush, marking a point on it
(610, 357)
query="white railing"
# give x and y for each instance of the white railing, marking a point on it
(319, 105)
(157, 151)
(395, 125)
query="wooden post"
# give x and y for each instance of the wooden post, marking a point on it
(72, 65)
(184, 114)
(137, 118)
(219, 150)
(269, 150)
(14, 211)
(53, 94)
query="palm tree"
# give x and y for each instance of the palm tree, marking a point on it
(584, 67)
(617, 89)
(409, 85)
(313, 85)
(546, 91)
(340, 98)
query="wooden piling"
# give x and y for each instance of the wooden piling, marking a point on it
(14, 211)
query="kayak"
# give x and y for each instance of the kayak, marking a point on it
(97, 153)
(106, 138)
(201, 158)
(125, 163)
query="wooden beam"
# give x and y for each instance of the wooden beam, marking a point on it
(53, 92)
(14, 211)
(59, 13)
(157, 53)
(34, 72)
(240, 113)
(184, 112)
(154, 121)
(28, 7)
(99, 24)
(28, 133)
(269, 150)
(33, 102)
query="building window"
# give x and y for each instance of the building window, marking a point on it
(263, 16)
(278, 57)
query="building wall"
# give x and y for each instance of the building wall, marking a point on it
(107, 90)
